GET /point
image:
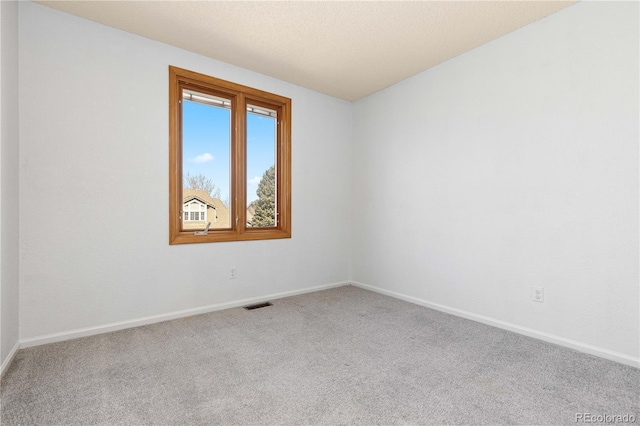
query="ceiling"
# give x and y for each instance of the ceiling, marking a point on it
(346, 49)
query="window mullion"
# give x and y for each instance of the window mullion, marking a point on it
(240, 164)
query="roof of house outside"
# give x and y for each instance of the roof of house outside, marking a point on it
(203, 196)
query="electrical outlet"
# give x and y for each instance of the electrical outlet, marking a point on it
(232, 273)
(538, 294)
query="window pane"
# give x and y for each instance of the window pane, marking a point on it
(261, 164)
(206, 157)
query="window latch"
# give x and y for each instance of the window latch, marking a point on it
(205, 232)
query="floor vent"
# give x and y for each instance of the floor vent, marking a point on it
(257, 306)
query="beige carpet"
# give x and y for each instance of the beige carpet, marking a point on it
(340, 356)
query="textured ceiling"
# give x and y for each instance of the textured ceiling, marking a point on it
(345, 49)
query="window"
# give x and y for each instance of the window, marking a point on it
(229, 161)
(194, 211)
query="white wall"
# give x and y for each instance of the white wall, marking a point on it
(94, 156)
(511, 166)
(9, 254)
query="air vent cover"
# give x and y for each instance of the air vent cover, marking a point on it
(257, 306)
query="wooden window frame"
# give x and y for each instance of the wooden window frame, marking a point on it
(240, 96)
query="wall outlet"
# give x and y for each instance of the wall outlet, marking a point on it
(537, 294)
(232, 273)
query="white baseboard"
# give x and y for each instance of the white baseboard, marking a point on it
(572, 344)
(7, 362)
(90, 331)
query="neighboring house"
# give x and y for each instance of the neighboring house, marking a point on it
(199, 207)
(251, 211)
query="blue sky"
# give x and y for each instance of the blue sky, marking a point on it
(205, 145)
